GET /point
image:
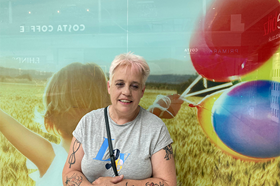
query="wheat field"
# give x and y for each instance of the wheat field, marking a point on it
(198, 161)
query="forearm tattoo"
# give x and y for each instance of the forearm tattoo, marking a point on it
(169, 151)
(154, 184)
(72, 158)
(127, 184)
(74, 180)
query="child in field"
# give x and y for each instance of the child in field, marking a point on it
(72, 92)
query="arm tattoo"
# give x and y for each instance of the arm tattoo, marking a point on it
(72, 158)
(74, 180)
(154, 184)
(127, 184)
(169, 151)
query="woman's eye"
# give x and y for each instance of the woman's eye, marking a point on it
(135, 87)
(119, 84)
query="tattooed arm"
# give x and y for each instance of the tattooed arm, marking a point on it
(72, 173)
(164, 172)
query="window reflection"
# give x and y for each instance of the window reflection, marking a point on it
(275, 90)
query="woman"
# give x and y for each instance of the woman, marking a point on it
(141, 139)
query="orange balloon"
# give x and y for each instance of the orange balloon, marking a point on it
(204, 116)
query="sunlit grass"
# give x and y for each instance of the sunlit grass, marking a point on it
(19, 101)
(198, 161)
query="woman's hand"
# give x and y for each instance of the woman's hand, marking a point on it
(108, 180)
(72, 173)
(164, 172)
(166, 106)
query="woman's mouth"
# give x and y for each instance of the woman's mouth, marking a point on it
(125, 101)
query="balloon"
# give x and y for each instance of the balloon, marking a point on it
(239, 36)
(261, 73)
(204, 115)
(268, 71)
(212, 65)
(246, 25)
(246, 118)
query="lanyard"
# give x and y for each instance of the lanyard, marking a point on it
(112, 157)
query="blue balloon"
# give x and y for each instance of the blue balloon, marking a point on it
(246, 118)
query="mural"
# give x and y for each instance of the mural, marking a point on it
(215, 81)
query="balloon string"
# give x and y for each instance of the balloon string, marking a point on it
(191, 85)
(208, 89)
(205, 83)
(189, 101)
(199, 77)
(167, 102)
(199, 106)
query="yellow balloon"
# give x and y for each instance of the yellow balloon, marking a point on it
(270, 70)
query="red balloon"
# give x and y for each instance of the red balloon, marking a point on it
(212, 65)
(235, 38)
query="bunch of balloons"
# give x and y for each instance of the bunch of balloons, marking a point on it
(235, 37)
(239, 40)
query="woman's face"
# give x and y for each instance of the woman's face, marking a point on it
(126, 90)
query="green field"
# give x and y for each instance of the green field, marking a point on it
(198, 162)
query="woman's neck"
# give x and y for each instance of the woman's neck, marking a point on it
(121, 119)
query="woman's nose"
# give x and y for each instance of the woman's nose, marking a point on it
(127, 91)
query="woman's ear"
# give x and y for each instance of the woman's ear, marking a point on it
(143, 91)
(108, 86)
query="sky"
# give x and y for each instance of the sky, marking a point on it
(47, 35)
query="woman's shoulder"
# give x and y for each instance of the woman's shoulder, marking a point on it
(148, 114)
(89, 122)
(155, 128)
(94, 113)
(91, 118)
(151, 118)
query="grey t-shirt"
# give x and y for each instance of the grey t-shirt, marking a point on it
(134, 143)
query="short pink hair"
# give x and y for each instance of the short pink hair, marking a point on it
(132, 60)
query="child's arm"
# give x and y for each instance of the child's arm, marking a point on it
(31, 145)
(166, 107)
